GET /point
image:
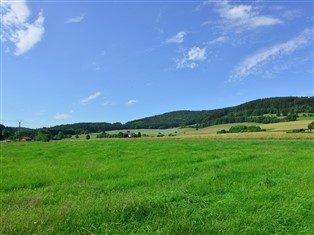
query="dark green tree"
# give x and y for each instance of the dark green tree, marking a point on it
(60, 135)
(292, 117)
(87, 136)
(311, 125)
(6, 134)
(43, 135)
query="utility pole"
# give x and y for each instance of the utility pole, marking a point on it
(19, 131)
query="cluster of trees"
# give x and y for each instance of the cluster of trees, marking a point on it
(9, 133)
(85, 128)
(42, 134)
(121, 134)
(241, 128)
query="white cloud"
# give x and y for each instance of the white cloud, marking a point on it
(76, 19)
(220, 39)
(61, 116)
(107, 103)
(191, 60)
(243, 17)
(17, 30)
(25, 39)
(131, 102)
(90, 98)
(197, 54)
(178, 38)
(254, 63)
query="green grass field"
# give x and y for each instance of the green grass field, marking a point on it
(157, 186)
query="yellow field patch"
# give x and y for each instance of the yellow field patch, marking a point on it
(302, 124)
(251, 135)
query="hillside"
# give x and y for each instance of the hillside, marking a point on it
(263, 111)
(268, 110)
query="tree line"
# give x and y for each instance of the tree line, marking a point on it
(268, 110)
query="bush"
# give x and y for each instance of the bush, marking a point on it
(292, 117)
(103, 135)
(242, 128)
(311, 125)
(87, 136)
(160, 135)
(223, 131)
(43, 135)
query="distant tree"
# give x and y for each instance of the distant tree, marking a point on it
(139, 134)
(6, 134)
(60, 135)
(160, 134)
(242, 128)
(77, 136)
(87, 136)
(103, 134)
(43, 135)
(292, 117)
(285, 112)
(311, 125)
(223, 131)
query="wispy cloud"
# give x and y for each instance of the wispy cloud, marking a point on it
(253, 64)
(107, 103)
(191, 60)
(178, 38)
(17, 29)
(61, 116)
(159, 16)
(131, 102)
(96, 67)
(217, 40)
(76, 19)
(241, 17)
(90, 98)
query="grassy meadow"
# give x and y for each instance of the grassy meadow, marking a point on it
(273, 131)
(157, 186)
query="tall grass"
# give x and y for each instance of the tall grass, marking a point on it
(157, 187)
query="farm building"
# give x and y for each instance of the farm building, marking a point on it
(25, 138)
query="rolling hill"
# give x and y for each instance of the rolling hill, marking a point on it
(263, 111)
(268, 110)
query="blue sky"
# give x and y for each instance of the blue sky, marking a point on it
(116, 61)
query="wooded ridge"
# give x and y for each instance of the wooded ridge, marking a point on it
(267, 110)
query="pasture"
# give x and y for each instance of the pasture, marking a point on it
(157, 186)
(273, 131)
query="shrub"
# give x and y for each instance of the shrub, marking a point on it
(242, 128)
(223, 131)
(160, 135)
(311, 125)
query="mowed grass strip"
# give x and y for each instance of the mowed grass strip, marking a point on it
(170, 186)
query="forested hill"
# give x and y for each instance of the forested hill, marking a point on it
(267, 110)
(281, 108)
